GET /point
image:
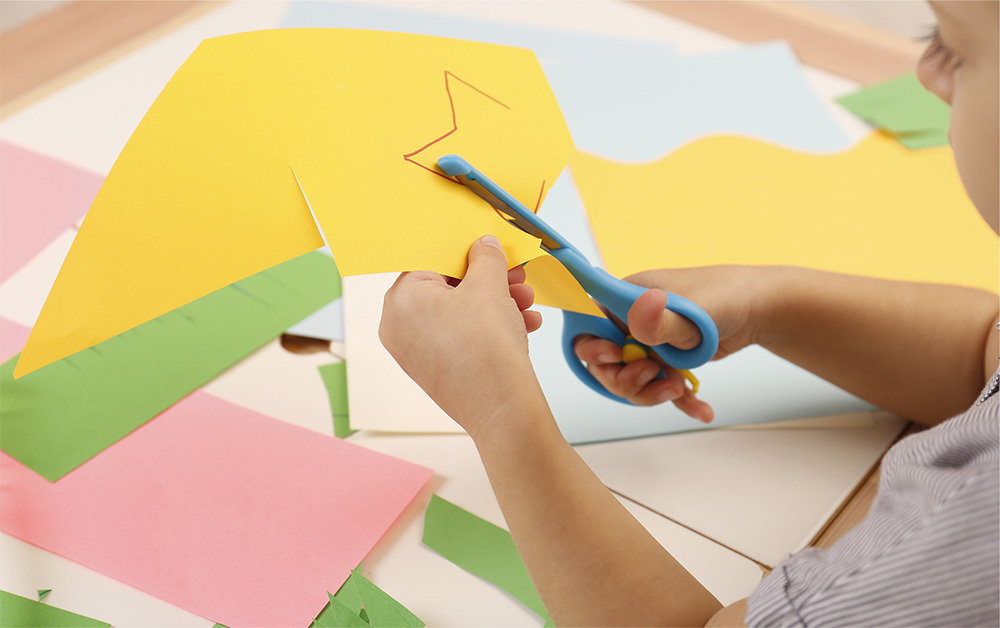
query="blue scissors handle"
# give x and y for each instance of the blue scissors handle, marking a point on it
(618, 295)
(577, 324)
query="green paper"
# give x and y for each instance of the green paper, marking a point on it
(21, 612)
(335, 378)
(43, 593)
(58, 417)
(480, 547)
(339, 615)
(903, 108)
(348, 594)
(923, 139)
(360, 603)
(383, 611)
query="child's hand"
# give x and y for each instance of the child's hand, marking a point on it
(732, 296)
(465, 343)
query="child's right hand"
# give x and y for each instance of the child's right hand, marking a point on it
(736, 297)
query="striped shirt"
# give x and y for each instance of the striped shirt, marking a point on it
(928, 554)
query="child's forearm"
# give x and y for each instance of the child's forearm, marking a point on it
(591, 561)
(915, 349)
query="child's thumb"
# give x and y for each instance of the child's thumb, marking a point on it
(652, 324)
(487, 263)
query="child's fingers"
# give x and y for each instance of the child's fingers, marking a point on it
(516, 275)
(532, 320)
(523, 295)
(597, 351)
(694, 407)
(652, 324)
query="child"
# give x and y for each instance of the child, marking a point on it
(928, 552)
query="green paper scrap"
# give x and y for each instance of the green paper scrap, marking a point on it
(383, 611)
(904, 109)
(480, 547)
(22, 612)
(58, 417)
(926, 139)
(335, 378)
(43, 593)
(339, 615)
(359, 602)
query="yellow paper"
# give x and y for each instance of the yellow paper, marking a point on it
(556, 287)
(203, 193)
(877, 209)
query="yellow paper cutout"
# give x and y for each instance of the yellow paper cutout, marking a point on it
(877, 209)
(203, 194)
(556, 287)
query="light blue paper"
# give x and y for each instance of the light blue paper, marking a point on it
(553, 47)
(751, 386)
(327, 323)
(646, 108)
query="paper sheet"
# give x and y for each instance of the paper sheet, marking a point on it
(553, 47)
(40, 197)
(877, 209)
(20, 612)
(905, 109)
(335, 379)
(481, 548)
(57, 418)
(645, 108)
(222, 202)
(359, 602)
(232, 515)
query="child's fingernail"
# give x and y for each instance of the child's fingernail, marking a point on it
(647, 376)
(606, 358)
(491, 240)
(668, 394)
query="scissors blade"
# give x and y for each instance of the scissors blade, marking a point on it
(499, 199)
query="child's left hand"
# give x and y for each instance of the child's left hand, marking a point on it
(466, 345)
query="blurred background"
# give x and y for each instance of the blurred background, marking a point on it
(910, 18)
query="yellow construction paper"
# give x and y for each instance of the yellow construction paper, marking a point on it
(203, 193)
(556, 287)
(877, 209)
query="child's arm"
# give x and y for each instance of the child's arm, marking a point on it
(923, 351)
(591, 561)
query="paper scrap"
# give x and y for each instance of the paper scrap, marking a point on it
(57, 418)
(877, 209)
(229, 514)
(40, 197)
(361, 116)
(359, 602)
(905, 109)
(335, 379)
(21, 612)
(480, 547)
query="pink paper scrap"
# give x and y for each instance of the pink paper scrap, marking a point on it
(40, 197)
(232, 515)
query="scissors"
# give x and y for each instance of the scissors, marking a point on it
(616, 295)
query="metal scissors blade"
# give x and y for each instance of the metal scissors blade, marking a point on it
(499, 199)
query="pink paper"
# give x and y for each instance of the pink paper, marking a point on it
(232, 515)
(12, 338)
(40, 198)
